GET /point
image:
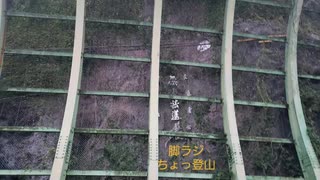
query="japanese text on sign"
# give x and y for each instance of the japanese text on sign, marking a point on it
(197, 164)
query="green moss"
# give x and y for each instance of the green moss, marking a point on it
(309, 27)
(44, 6)
(310, 100)
(216, 10)
(259, 12)
(35, 72)
(200, 111)
(262, 161)
(124, 156)
(39, 34)
(220, 175)
(275, 158)
(114, 9)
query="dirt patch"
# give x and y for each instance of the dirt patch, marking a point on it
(39, 34)
(268, 159)
(104, 178)
(112, 152)
(309, 90)
(260, 19)
(113, 112)
(264, 122)
(308, 60)
(309, 29)
(32, 110)
(118, 40)
(258, 87)
(311, 5)
(110, 75)
(26, 177)
(35, 72)
(60, 7)
(257, 55)
(205, 14)
(27, 150)
(141, 10)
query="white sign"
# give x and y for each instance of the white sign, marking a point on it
(203, 46)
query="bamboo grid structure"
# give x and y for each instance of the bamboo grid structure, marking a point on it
(305, 152)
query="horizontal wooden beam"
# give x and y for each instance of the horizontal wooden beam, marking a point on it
(36, 90)
(266, 139)
(131, 174)
(112, 131)
(269, 3)
(120, 58)
(261, 37)
(192, 135)
(165, 26)
(27, 172)
(28, 129)
(193, 64)
(37, 53)
(143, 133)
(259, 104)
(144, 95)
(273, 178)
(147, 60)
(258, 70)
(112, 93)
